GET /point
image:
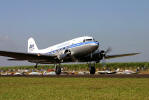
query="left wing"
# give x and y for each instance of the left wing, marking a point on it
(35, 58)
(120, 55)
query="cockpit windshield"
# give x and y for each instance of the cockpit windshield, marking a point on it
(86, 40)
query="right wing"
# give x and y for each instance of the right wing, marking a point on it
(34, 58)
(120, 55)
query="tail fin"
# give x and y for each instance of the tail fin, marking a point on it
(32, 47)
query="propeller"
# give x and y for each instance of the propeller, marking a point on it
(103, 54)
(108, 50)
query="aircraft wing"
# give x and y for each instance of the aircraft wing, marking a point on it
(120, 55)
(35, 58)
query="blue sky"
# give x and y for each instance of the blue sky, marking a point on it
(120, 24)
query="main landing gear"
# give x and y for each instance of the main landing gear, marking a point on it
(58, 69)
(36, 65)
(92, 68)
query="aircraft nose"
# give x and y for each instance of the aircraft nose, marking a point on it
(95, 45)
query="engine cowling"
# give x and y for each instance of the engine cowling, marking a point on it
(102, 54)
(66, 54)
(99, 55)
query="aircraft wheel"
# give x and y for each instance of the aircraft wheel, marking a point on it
(92, 69)
(58, 70)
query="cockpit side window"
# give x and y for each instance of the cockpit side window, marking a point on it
(87, 40)
(93, 39)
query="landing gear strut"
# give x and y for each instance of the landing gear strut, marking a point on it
(58, 69)
(36, 65)
(92, 68)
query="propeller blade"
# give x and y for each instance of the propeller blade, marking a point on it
(103, 62)
(108, 50)
(103, 54)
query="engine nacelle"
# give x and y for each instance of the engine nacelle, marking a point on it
(66, 54)
(102, 54)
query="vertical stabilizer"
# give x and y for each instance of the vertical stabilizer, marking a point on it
(32, 47)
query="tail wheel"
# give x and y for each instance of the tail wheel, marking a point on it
(58, 70)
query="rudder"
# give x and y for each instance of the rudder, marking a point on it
(32, 47)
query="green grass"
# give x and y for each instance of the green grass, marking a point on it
(21, 88)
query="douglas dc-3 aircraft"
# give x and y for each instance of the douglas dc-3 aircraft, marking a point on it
(82, 49)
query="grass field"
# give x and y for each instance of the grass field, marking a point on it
(22, 88)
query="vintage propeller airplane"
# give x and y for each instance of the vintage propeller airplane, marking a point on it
(81, 49)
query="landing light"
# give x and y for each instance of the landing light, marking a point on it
(38, 54)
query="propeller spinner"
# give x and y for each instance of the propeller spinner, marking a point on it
(103, 54)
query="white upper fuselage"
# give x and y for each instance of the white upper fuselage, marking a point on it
(81, 45)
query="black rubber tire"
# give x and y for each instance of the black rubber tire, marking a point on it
(58, 70)
(36, 67)
(92, 70)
